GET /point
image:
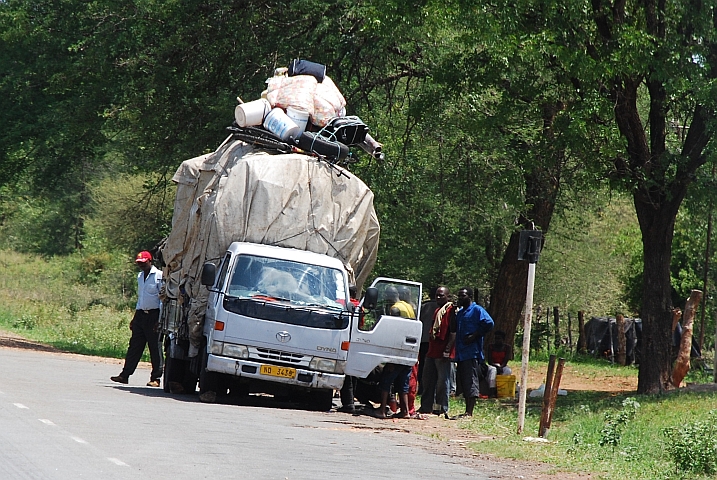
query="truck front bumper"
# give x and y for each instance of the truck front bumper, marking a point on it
(251, 369)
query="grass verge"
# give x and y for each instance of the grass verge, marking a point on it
(57, 302)
(663, 437)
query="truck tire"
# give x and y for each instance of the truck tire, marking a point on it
(189, 379)
(211, 381)
(206, 383)
(321, 400)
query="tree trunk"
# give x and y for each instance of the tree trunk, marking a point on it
(541, 192)
(682, 365)
(508, 298)
(657, 226)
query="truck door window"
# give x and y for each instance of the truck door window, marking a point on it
(223, 271)
(395, 299)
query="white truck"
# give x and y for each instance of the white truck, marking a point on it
(262, 251)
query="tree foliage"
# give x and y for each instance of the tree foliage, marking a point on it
(494, 115)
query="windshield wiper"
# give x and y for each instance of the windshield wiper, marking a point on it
(270, 298)
(323, 305)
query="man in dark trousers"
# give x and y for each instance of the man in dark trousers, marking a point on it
(437, 369)
(472, 322)
(145, 323)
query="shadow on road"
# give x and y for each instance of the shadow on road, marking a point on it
(251, 400)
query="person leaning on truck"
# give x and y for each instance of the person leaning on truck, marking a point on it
(145, 323)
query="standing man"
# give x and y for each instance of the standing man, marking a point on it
(472, 323)
(145, 323)
(426, 316)
(437, 368)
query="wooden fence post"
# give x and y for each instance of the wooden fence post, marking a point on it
(621, 342)
(538, 318)
(582, 341)
(612, 344)
(546, 397)
(547, 328)
(555, 389)
(556, 322)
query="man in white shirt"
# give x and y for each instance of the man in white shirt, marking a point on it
(145, 323)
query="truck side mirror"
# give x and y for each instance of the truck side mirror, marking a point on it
(371, 298)
(209, 274)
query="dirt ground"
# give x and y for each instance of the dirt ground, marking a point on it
(434, 433)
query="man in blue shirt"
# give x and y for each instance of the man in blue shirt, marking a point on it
(472, 322)
(145, 323)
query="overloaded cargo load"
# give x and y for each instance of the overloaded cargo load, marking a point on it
(241, 193)
(268, 234)
(302, 108)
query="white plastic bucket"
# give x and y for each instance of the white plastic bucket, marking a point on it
(279, 123)
(252, 113)
(299, 116)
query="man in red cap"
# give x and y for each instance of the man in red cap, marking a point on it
(145, 323)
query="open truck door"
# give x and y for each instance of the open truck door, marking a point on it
(387, 332)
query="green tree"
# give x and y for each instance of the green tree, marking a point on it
(532, 131)
(651, 65)
(668, 56)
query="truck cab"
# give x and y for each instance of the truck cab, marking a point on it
(280, 321)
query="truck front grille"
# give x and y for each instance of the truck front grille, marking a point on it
(279, 356)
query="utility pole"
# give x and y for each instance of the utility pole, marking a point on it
(528, 249)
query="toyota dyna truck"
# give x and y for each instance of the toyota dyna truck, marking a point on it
(258, 264)
(280, 321)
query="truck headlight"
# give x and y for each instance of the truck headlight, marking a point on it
(340, 366)
(216, 347)
(323, 364)
(236, 351)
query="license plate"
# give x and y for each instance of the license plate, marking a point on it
(275, 371)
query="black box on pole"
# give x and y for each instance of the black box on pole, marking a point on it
(529, 245)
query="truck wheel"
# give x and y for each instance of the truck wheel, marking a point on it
(321, 400)
(204, 376)
(189, 380)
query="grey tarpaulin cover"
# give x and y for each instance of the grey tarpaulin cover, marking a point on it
(240, 193)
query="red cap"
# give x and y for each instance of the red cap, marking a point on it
(143, 256)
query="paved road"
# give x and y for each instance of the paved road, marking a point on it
(61, 418)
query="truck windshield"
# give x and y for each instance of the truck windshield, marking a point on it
(288, 282)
